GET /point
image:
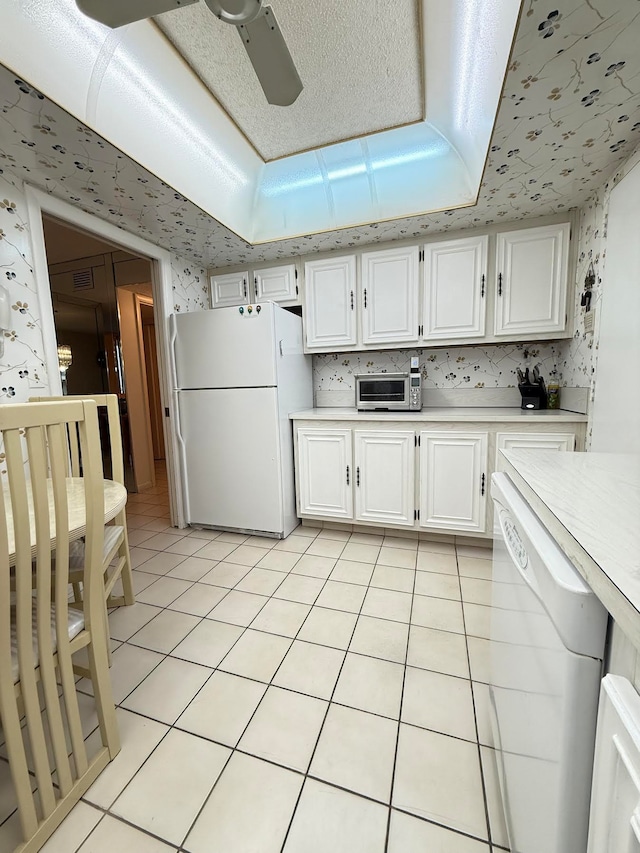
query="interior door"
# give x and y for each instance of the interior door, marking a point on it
(231, 458)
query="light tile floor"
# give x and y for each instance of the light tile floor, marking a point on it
(311, 695)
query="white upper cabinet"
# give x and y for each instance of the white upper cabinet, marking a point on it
(230, 289)
(455, 284)
(277, 284)
(325, 473)
(329, 303)
(389, 295)
(531, 285)
(454, 480)
(384, 481)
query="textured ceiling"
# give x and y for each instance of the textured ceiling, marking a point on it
(359, 62)
(569, 115)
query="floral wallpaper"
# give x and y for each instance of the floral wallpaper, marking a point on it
(569, 116)
(190, 286)
(492, 366)
(22, 369)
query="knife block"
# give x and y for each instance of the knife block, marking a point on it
(533, 396)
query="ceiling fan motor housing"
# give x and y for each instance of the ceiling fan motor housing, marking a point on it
(236, 12)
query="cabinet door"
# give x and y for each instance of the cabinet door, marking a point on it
(329, 302)
(536, 441)
(325, 472)
(531, 287)
(276, 283)
(455, 283)
(385, 465)
(390, 296)
(230, 289)
(565, 441)
(453, 480)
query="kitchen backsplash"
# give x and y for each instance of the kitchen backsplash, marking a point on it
(450, 367)
(22, 368)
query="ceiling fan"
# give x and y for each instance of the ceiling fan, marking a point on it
(256, 25)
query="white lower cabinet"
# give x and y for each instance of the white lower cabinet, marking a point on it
(454, 480)
(378, 476)
(536, 441)
(385, 472)
(325, 471)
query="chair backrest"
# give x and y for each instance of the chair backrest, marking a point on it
(38, 503)
(110, 403)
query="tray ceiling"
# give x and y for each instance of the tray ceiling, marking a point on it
(360, 63)
(569, 116)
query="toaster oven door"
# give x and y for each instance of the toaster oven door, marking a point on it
(389, 392)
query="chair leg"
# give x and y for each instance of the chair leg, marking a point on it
(106, 631)
(100, 678)
(127, 576)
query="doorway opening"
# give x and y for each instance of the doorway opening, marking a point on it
(103, 311)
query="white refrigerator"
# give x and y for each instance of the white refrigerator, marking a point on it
(238, 375)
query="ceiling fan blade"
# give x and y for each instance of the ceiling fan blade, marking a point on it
(271, 59)
(117, 13)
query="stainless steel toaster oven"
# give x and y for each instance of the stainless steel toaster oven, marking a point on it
(386, 392)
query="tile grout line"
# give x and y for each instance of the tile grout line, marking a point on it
(324, 720)
(404, 678)
(475, 716)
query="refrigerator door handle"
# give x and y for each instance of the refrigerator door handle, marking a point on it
(280, 348)
(173, 334)
(183, 456)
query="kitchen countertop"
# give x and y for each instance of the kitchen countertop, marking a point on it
(451, 413)
(590, 502)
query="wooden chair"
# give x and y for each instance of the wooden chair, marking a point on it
(116, 557)
(39, 631)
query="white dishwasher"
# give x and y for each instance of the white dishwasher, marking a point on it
(547, 642)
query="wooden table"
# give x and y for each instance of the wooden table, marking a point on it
(115, 498)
